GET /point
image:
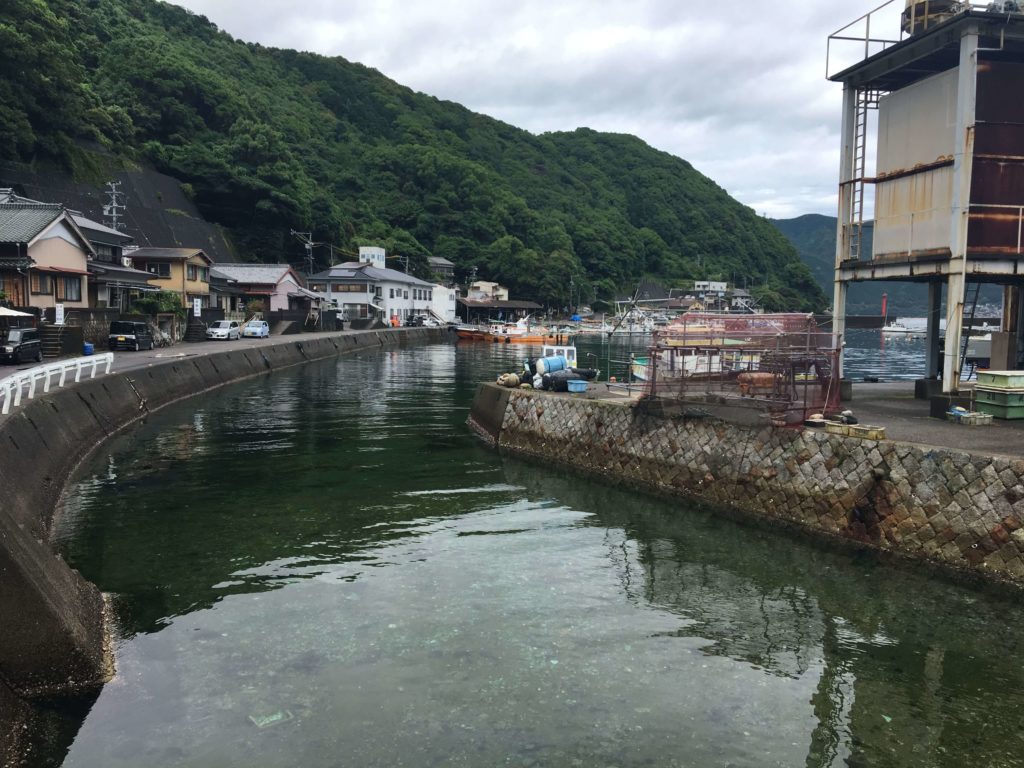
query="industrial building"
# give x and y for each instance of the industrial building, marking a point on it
(938, 111)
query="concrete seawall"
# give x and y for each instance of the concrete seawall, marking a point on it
(52, 636)
(961, 512)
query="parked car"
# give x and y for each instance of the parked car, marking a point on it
(415, 321)
(224, 329)
(21, 345)
(128, 334)
(256, 329)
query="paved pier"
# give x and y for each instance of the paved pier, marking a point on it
(892, 405)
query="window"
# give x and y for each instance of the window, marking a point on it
(105, 252)
(347, 288)
(204, 274)
(392, 292)
(318, 287)
(406, 295)
(69, 288)
(42, 283)
(430, 295)
(159, 268)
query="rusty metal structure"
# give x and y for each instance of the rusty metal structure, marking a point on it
(782, 368)
(939, 112)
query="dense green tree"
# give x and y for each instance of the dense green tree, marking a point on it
(272, 140)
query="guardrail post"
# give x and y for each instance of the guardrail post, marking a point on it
(11, 388)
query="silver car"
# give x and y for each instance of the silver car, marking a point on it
(224, 329)
(256, 329)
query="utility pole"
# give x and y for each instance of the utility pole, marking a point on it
(112, 211)
(306, 238)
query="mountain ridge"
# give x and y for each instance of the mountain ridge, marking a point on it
(269, 140)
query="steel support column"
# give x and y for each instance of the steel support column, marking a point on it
(963, 161)
(844, 227)
(934, 330)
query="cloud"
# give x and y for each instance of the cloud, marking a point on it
(740, 94)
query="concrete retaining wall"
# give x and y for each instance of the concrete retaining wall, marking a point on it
(960, 511)
(51, 630)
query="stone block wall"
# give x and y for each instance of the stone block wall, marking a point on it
(951, 508)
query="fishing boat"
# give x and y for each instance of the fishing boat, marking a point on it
(520, 332)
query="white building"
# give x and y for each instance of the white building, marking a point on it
(443, 306)
(710, 286)
(366, 290)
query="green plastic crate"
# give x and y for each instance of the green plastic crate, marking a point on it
(1001, 379)
(1001, 411)
(996, 397)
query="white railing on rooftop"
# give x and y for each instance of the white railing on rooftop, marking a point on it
(26, 382)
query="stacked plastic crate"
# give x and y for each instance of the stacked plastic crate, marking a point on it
(1001, 394)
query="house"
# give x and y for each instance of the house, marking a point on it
(44, 256)
(482, 289)
(272, 284)
(367, 290)
(185, 271)
(443, 269)
(740, 300)
(113, 281)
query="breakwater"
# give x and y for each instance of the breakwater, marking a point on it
(53, 631)
(956, 510)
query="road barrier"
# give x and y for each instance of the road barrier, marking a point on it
(12, 387)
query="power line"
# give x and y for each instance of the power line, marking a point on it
(115, 205)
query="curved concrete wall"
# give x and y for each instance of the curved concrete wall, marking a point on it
(51, 632)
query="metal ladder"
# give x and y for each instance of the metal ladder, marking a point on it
(967, 329)
(866, 101)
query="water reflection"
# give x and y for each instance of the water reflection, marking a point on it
(323, 568)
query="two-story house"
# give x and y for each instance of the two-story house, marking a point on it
(271, 284)
(113, 282)
(185, 271)
(44, 256)
(366, 289)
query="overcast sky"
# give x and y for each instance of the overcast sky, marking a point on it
(736, 88)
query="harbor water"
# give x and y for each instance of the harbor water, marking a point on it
(323, 568)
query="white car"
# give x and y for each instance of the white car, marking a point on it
(224, 329)
(256, 329)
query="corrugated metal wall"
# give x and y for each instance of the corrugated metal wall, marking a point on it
(916, 141)
(998, 177)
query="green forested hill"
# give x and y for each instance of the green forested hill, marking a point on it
(814, 237)
(269, 140)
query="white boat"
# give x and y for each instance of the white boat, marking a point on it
(899, 330)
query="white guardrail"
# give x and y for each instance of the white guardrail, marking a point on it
(12, 387)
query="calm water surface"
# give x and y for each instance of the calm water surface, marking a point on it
(323, 568)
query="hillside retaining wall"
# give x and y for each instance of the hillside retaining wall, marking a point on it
(960, 511)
